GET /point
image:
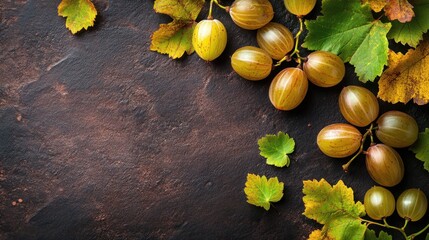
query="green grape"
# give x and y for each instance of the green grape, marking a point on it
(339, 140)
(379, 203)
(209, 39)
(384, 165)
(324, 69)
(288, 88)
(397, 129)
(358, 105)
(276, 39)
(300, 7)
(251, 14)
(251, 63)
(412, 204)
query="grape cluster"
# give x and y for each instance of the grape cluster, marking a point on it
(289, 87)
(394, 129)
(411, 204)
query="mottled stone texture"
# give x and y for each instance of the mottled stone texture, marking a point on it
(101, 138)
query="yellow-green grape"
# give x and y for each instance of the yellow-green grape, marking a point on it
(288, 88)
(358, 105)
(300, 7)
(339, 140)
(251, 14)
(276, 39)
(379, 203)
(251, 63)
(384, 165)
(209, 39)
(324, 69)
(397, 129)
(412, 204)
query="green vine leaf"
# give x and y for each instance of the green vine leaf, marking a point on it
(175, 38)
(348, 30)
(421, 148)
(80, 14)
(275, 148)
(370, 235)
(335, 208)
(411, 33)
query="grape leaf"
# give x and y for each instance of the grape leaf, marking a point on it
(179, 9)
(370, 235)
(376, 5)
(319, 235)
(411, 33)
(79, 13)
(275, 148)
(348, 29)
(407, 76)
(400, 10)
(421, 148)
(261, 192)
(175, 38)
(335, 208)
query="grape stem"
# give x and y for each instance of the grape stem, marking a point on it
(401, 230)
(368, 132)
(226, 8)
(288, 57)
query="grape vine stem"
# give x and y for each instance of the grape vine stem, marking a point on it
(401, 230)
(226, 8)
(296, 49)
(368, 132)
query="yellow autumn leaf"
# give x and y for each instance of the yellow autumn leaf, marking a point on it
(319, 235)
(407, 76)
(79, 13)
(376, 5)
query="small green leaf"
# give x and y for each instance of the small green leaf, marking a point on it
(348, 29)
(261, 192)
(412, 32)
(173, 39)
(275, 149)
(79, 13)
(421, 148)
(370, 235)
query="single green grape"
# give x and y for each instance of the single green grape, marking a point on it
(358, 105)
(300, 7)
(379, 203)
(209, 39)
(397, 129)
(412, 204)
(251, 63)
(339, 140)
(384, 165)
(324, 69)
(276, 39)
(288, 88)
(251, 14)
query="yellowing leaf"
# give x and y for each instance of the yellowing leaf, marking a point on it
(319, 235)
(179, 9)
(407, 76)
(79, 13)
(400, 10)
(261, 192)
(173, 39)
(335, 208)
(376, 5)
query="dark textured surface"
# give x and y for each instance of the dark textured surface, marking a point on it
(103, 139)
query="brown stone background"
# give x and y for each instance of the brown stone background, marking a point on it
(103, 139)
